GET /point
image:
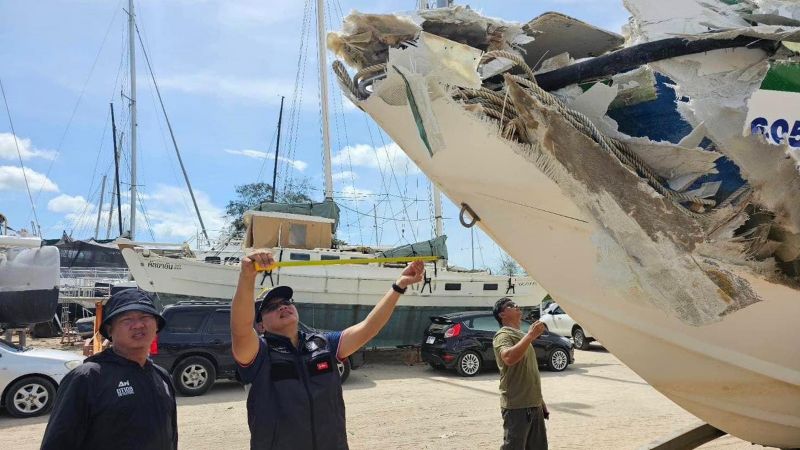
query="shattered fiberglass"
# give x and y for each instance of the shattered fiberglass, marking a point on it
(721, 156)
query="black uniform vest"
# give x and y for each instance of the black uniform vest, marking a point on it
(295, 401)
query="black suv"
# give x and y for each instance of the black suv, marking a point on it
(464, 341)
(195, 346)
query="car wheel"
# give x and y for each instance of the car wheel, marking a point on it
(344, 369)
(30, 396)
(194, 376)
(558, 360)
(579, 338)
(468, 364)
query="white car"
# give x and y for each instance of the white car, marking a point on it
(559, 322)
(29, 377)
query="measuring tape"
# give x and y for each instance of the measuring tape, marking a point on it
(338, 262)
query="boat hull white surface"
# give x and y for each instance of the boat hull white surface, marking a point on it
(740, 374)
(339, 285)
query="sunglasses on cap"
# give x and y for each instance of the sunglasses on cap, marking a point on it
(510, 305)
(272, 306)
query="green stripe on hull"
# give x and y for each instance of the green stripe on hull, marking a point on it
(782, 77)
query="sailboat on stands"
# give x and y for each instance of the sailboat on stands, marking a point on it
(28, 279)
(637, 179)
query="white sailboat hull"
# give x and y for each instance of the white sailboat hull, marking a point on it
(338, 285)
(740, 374)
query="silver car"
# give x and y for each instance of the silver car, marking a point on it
(29, 377)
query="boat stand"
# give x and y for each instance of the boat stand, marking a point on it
(22, 335)
(686, 439)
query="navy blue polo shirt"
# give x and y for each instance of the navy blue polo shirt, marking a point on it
(295, 398)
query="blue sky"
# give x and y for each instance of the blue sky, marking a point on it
(222, 66)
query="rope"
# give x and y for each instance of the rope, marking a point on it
(583, 124)
(344, 77)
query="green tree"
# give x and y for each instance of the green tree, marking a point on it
(508, 266)
(249, 196)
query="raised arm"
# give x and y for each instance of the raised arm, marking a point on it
(514, 354)
(359, 334)
(243, 337)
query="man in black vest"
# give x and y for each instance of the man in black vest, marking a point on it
(117, 399)
(295, 399)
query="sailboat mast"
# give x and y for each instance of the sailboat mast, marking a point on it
(132, 64)
(323, 93)
(277, 147)
(115, 196)
(100, 209)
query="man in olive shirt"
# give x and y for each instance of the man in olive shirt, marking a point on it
(521, 402)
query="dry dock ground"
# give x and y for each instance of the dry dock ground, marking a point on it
(598, 403)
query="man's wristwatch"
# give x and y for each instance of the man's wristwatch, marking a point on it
(398, 289)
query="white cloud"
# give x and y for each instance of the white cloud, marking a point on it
(354, 193)
(69, 204)
(172, 215)
(385, 157)
(346, 175)
(8, 148)
(12, 179)
(257, 154)
(226, 87)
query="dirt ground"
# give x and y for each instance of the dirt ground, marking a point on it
(596, 403)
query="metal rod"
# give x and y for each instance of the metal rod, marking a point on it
(323, 97)
(100, 208)
(277, 147)
(375, 216)
(132, 63)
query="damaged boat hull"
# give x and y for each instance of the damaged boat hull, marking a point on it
(738, 371)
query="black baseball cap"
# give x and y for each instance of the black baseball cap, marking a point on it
(129, 300)
(278, 292)
(498, 308)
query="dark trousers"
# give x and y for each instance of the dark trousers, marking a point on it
(523, 429)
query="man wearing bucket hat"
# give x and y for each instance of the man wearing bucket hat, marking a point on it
(295, 398)
(118, 398)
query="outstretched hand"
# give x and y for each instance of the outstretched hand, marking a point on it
(261, 257)
(412, 274)
(537, 329)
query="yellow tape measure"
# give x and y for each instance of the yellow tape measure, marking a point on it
(337, 262)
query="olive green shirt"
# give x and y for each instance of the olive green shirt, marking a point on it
(520, 385)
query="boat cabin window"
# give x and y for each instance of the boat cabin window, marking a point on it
(212, 259)
(297, 235)
(329, 257)
(485, 323)
(299, 256)
(452, 286)
(489, 286)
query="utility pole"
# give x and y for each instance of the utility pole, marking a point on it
(277, 147)
(132, 63)
(323, 94)
(100, 209)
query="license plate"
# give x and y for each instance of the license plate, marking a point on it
(430, 340)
